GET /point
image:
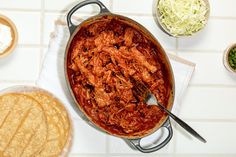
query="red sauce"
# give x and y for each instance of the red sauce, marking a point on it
(102, 58)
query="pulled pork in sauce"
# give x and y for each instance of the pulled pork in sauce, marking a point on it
(102, 58)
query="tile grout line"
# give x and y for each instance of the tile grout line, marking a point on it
(176, 46)
(118, 154)
(174, 142)
(20, 10)
(215, 120)
(17, 81)
(107, 145)
(87, 154)
(176, 43)
(212, 85)
(223, 17)
(203, 155)
(166, 155)
(174, 137)
(174, 134)
(199, 51)
(31, 45)
(169, 49)
(111, 5)
(41, 36)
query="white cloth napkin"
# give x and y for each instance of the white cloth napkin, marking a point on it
(52, 76)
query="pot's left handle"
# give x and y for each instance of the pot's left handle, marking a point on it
(136, 142)
(71, 26)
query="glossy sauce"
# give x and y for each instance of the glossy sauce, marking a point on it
(102, 58)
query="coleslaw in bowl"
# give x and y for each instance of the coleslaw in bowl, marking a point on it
(182, 17)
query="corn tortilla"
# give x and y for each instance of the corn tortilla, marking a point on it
(22, 123)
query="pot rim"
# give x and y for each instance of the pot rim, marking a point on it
(147, 34)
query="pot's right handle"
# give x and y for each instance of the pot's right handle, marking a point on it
(136, 142)
(71, 26)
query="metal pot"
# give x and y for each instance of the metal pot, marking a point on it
(164, 122)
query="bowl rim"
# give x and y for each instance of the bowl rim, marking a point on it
(163, 27)
(226, 58)
(7, 21)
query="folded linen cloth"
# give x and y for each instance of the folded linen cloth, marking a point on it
(52, 77)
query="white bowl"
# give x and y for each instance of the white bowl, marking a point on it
(226, 58)
(6, 21)
(166, 30)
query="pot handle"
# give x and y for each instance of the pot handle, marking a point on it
(136, 142)
(71, 26)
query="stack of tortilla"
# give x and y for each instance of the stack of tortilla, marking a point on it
(33, 124)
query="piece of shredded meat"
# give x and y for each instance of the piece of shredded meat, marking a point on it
(102, 58)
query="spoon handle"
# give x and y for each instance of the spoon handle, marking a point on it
(183, 124)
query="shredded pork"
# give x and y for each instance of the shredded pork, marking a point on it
(103, 56)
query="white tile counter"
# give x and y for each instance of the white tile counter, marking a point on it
(208, 105)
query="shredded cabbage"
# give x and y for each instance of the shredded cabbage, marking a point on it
(183, 17)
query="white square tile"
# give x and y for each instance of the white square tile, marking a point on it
(149, 23)
(49, 25)
(21, 65)
(209, 68)
(27, 24)
(220, 136)
(64, 5)
(87, 140)
(133, 6)
(45, 50)
(208, 103)
(218, 34)
(118, 145)
(223, 8)
(23, 4)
